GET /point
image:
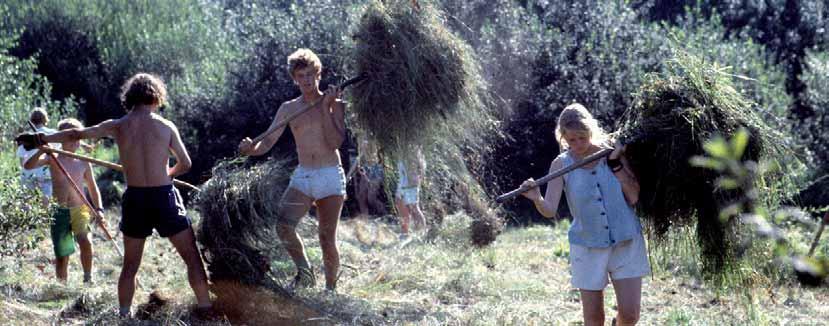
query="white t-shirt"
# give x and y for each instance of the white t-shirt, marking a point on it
(39, 173)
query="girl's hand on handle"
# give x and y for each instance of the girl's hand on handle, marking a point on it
(533, 194)
(618, 150)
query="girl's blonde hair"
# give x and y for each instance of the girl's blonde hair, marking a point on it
(576, 118)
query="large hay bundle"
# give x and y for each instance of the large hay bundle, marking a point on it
(239, 208)
(672, 117)
(419, 74)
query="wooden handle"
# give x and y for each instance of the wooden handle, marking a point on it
(110, 165)
(301, 111)
(555, 174)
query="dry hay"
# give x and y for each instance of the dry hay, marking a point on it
(423, 86)
(239, 207)
(247, 304)
(422, 80)
(486, 224)
(673, 115)
(156, 301)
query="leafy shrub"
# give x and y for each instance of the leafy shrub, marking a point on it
(88, 48)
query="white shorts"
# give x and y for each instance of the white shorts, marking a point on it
(409, 196)
(319, 183)
(590, 267)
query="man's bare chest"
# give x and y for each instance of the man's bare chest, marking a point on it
(307, 123)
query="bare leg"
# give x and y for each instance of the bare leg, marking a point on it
(133, 251)
(628, 299)
(404, 215)
(329, 209)
(418, 220)
(295, 205)
(62, 268)
(592, 305)
(86, 254)
(185, 244)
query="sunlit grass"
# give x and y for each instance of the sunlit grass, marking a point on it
(522, 279)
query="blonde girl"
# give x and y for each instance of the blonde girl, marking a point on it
(605, 238)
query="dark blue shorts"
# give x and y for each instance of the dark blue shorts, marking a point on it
(146, 208)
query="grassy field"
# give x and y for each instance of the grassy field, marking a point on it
(435, 279)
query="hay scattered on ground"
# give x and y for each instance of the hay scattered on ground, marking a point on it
(421, 77)
(156, 301)
(673, 115)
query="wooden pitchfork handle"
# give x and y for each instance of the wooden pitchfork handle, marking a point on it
(301, 111)
(116, 167)
(818, 234)
(555, 174)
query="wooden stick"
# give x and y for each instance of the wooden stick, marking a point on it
(555, 174)
(110, 165)
(301, 111)
(818, 234)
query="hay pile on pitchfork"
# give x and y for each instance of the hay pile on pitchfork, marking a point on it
(673, 116)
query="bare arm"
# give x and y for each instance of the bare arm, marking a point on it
(630, 186)
(548, 204)
(417, 170)
(183, 162)
(36, 160)
(103, 129)
(247, 147)
(94, 192)
(334, 123)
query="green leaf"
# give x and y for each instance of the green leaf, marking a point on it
(728, 183)
(739, 142)
(707, 163)
(716, 147)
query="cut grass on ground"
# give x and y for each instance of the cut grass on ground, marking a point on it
(522, 279)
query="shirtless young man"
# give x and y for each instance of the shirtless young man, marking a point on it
(319, 178)
(72, 217)
(145, 141)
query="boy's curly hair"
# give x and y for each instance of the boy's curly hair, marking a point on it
(301, 59)
(143, 89)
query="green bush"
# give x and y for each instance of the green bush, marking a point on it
(89, 48)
